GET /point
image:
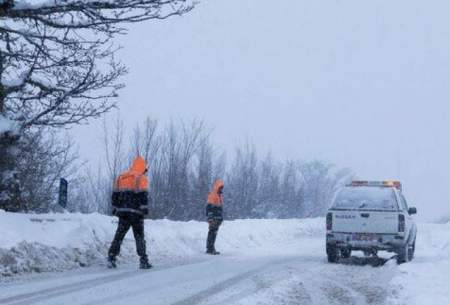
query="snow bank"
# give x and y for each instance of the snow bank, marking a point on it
(52, 242)
(426, 279)
(6, 125)
(35, 4)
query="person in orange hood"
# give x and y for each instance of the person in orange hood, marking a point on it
(130, 203)
(214, 213)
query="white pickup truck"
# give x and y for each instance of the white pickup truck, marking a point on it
(370, 216)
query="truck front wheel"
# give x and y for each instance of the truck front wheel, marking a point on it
(411, 251)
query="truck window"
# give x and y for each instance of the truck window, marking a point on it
(366, 198)
(403, 203)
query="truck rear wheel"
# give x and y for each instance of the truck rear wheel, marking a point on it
(346, 253)
(332, 253)
(403, 254)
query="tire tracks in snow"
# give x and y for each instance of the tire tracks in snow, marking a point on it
(350, 285)
(40, 295)
(73, 287)
(217, 288)
(308, 283)
(222, 286)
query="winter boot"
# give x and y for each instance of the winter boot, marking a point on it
(111, 263)
(210, 241)
(144, 263)
(212, 252)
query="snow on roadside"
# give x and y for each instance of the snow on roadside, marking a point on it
(53, 242)
(426, 280)
(6, 125)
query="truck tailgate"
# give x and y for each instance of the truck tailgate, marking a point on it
(352, 221)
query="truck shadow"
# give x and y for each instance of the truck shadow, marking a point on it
(373, 261)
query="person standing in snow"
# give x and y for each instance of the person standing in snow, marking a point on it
(130, 203)
(214, 213)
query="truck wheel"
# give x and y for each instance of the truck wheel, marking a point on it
(332, 253)
(403, 254)
(412, 250)
(346, 253)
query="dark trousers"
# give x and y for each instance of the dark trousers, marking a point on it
(212, 233)
(215, 218)
(136, 222)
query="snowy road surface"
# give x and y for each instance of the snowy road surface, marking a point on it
(272, 262)
(296, 274)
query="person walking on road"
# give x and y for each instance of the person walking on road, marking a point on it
(130, 203)
(214, 213)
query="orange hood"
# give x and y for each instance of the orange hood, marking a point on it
(214, 197)
(134, 178)
(138, 165)
(217, 185)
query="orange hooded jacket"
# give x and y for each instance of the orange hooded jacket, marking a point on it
(130, 193)
(214, 197)
(134, 179)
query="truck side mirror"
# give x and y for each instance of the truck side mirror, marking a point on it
(412, 211)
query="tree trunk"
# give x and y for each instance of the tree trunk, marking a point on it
(2, 88)
(9, 184)
(10, 199)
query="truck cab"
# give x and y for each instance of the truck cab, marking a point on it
(370, 216)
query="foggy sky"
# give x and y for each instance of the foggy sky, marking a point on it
(363, 84)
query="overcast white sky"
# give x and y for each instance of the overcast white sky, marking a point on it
(363, 84)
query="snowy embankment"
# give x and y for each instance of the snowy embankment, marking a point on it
(55, 242)
(426, 280)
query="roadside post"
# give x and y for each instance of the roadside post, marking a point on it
(62, 197)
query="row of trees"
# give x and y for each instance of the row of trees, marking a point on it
(183, 163)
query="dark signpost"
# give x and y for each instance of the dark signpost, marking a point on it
(62, 198)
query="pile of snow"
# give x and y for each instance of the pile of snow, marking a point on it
(54, 242)
(6, 125)
(426, 279)
(36, 4)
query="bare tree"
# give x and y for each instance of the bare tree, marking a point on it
(181, 143)
(90, 191)
(57, 63)
(242, 181)
(202, 178)
(146, 141)
(268, 195)
(114, 148)
(289, 189)
(42, 158)
(321, 180)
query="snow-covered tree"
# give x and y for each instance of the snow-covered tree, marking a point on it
(58, 64)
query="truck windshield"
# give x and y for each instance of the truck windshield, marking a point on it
(366, 198)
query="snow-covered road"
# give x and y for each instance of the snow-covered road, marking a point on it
(295, 274)
(273, 262)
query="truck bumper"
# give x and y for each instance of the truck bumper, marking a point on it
(386, 242)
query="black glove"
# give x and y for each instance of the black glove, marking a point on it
(114, 212)
(144, 211)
